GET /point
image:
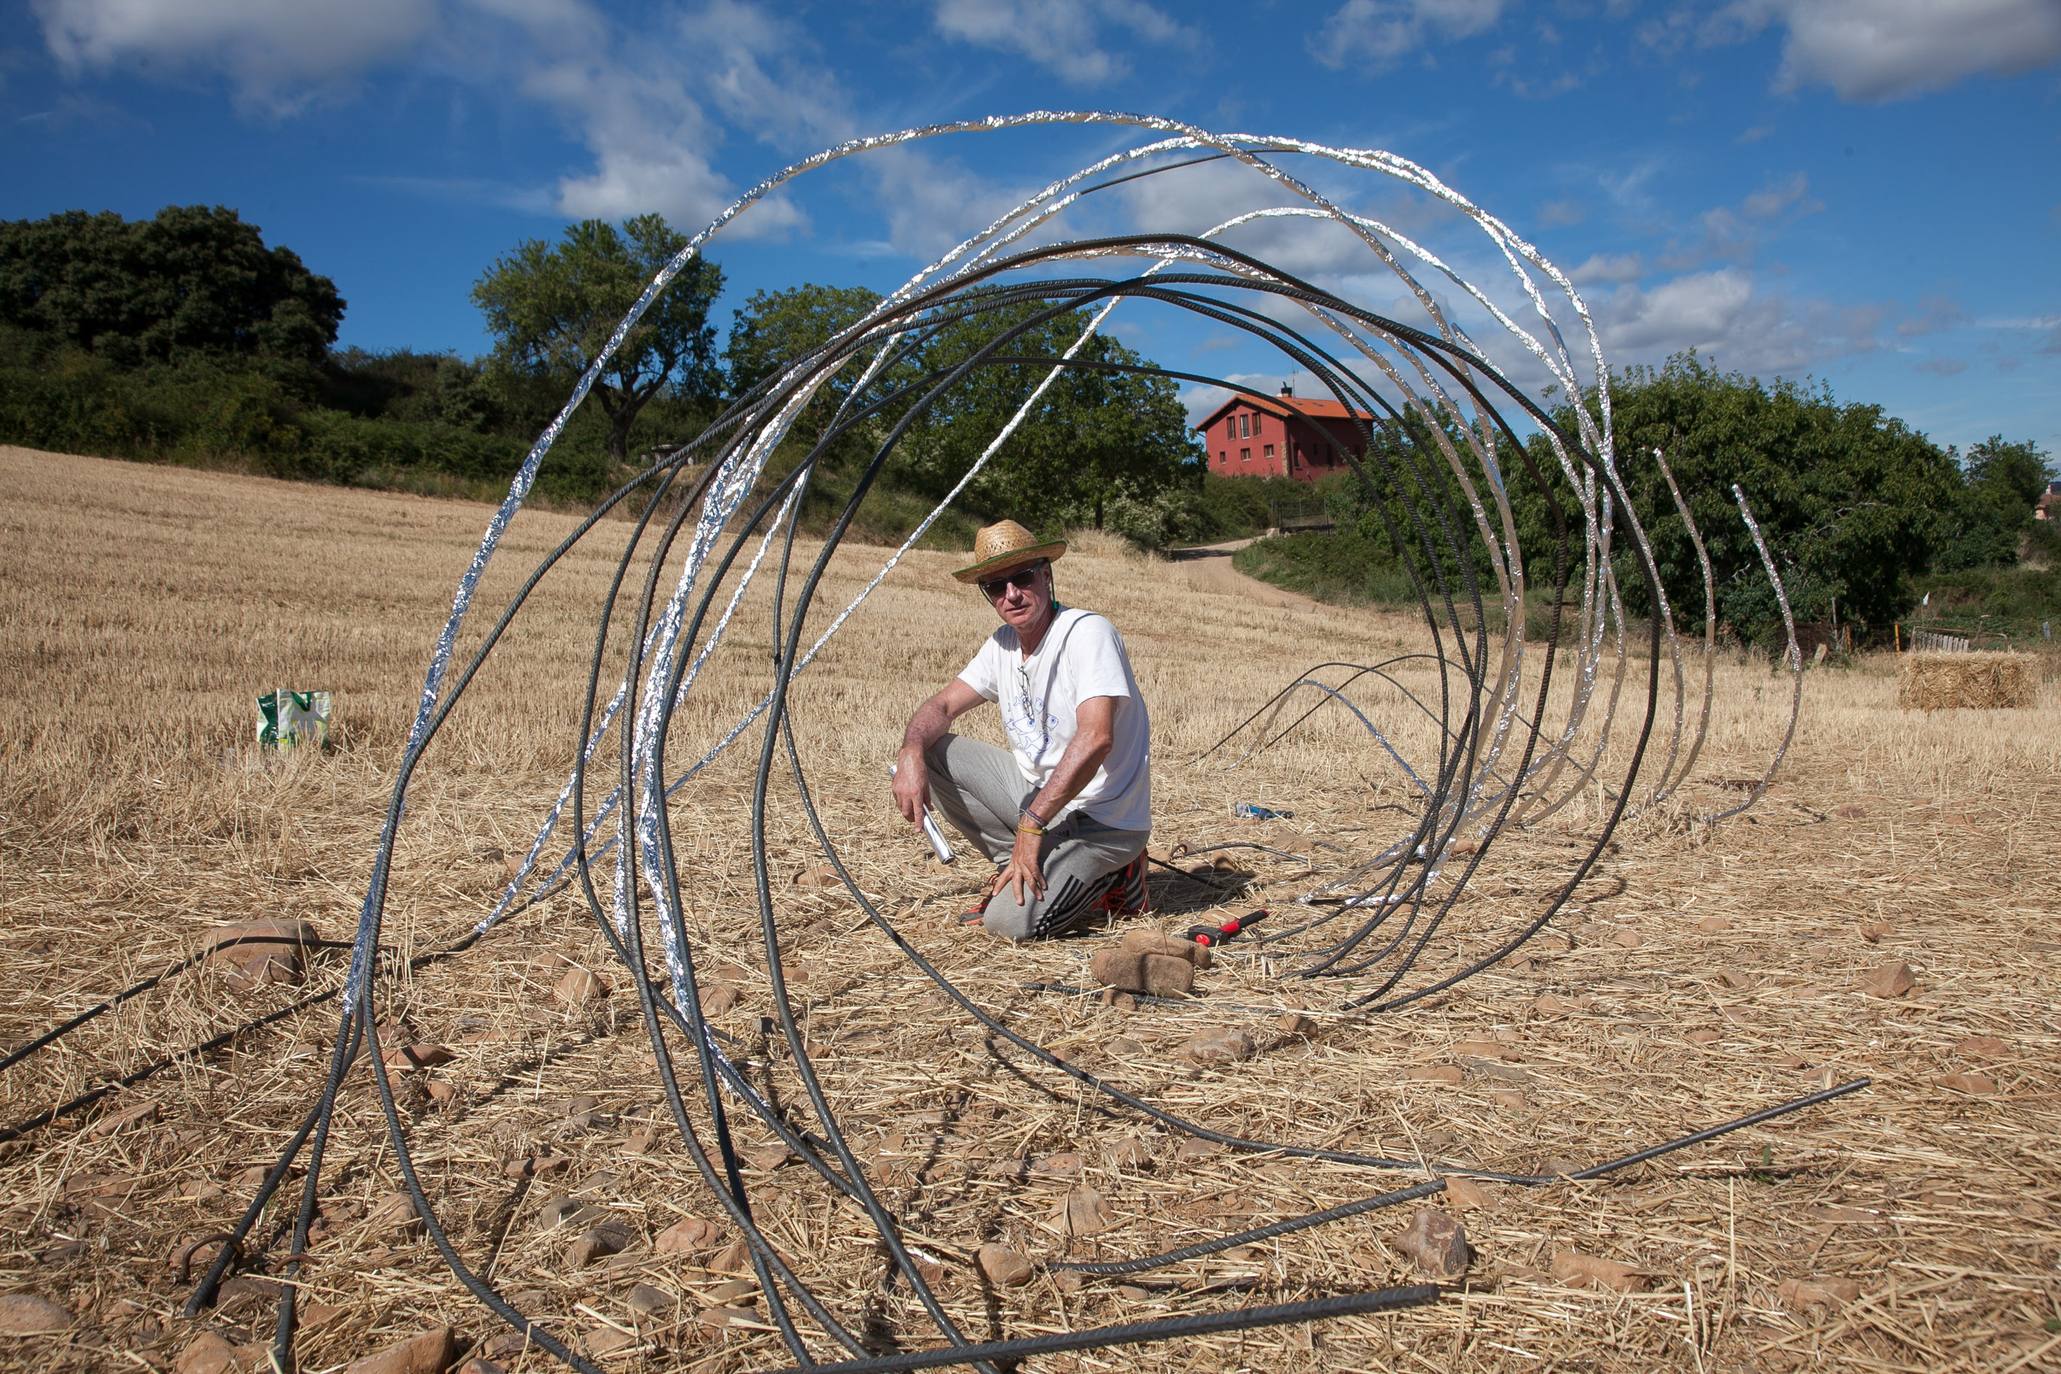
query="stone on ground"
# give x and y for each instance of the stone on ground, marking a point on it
(1084, 1213)
(1465, 1195)
(688, 1233)
(1804, 1294)
(1982, 1047)
(1219, 1046)
(1974, 1084)
(432, 1352)
(1436, 1243)
(1004, 1267)
(1161, 942)
(1130, 970)
(1593, 1271)
(262, 952)
(210, 1353)
(579, 988)
(597, 1243)
(25, 1314)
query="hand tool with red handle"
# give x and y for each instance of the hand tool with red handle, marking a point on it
(1225, 930)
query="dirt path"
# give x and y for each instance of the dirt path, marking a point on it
(1208, 568)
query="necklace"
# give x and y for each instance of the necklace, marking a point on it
(1033, 712)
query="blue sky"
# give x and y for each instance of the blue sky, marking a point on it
(1865, 192)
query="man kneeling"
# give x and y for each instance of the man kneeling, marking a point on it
(1067, 810)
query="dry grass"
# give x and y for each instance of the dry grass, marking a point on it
(1981, 681)
(1699, 975)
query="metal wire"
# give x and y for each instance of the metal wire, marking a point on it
(1445, 473)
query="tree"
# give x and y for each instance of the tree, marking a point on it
(193, 280)
(552, 308)
(1849, 499)
(1105, 430)
(1985, 528)
(1105, 444)
(776, 329)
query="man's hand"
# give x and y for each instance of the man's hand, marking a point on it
(1024, 871)
(911, 785)
(927, 727)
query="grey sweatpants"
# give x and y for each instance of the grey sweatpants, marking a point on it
(980, 790)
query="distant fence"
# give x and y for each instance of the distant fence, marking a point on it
(1304, 524)
(1933, 642)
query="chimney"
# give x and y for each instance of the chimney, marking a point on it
(1287, 391)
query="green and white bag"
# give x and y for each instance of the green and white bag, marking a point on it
(288, 719)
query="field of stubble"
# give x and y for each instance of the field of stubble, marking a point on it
(1698, 975)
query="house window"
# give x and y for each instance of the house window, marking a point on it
(1268, 453)
(1244, 455)
(1244, 425)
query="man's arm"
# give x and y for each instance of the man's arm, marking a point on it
(927, 727)
(1094, 732)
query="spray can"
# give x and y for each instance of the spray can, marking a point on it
(932, 832)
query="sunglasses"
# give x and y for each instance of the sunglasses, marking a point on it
(993, 587)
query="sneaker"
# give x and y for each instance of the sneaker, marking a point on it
(1128, 896)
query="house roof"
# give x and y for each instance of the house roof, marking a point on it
(1283, 406)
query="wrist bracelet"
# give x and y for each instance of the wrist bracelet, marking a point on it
(1027, 826)
(1024, 812)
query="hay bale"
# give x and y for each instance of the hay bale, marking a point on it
(1981, 681)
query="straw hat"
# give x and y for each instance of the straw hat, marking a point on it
(1004, 547)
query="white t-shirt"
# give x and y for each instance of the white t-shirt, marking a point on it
(1081, 656)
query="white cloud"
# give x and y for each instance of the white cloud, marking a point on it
(1609, 267)
(2049, 325)
(645, 142)
(1148, 23)
(276, 54)
(933, 203)
(650, 137)
(1872, 50)
(1700, 310)
(1777, 196)
(1935, 313)
(751, 69)
(1525, 88)
(1736, 233)
(1723, 315)
(540, 16)
(1063, 36)
(1383, 31)
(1629, 187)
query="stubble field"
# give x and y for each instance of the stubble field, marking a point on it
(1699, 974)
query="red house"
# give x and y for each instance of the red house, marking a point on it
(1282, 436)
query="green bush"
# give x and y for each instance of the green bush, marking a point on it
(2043, 541)
(1341, 567)
(1237, 507)
(2004, 601)
(359, 452)
(67, 399)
